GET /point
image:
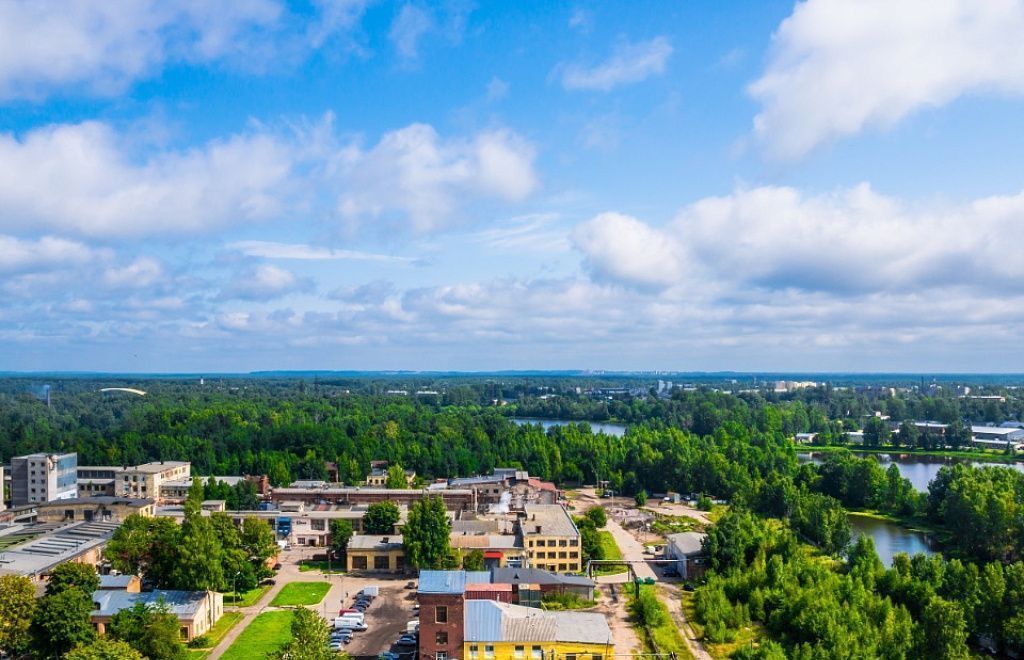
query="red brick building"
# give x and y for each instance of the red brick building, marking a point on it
(442, 614)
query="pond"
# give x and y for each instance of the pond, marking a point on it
(889, 537)
(919, 470)
(617, 430)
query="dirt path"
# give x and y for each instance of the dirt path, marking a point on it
(624, 637)
(670, 595)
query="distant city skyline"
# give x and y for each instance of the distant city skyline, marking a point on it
(782, 187)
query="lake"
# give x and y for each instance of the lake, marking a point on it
(889, 538)
(617, 430)
(919, 470)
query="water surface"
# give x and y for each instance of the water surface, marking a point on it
(889, 538)
(617, 430)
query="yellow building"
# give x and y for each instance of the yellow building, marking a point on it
(501, 631)
(383, 554)
(550, 538)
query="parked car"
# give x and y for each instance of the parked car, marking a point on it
(671, 571)
(388, 655)
(277, 566)
(411, 584)
(346, 610)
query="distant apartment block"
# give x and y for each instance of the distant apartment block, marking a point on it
(43, 477)
(135, 481)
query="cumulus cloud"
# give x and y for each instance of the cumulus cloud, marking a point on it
(620, 248)
(47, 253)
(421, 176)
(629, 63)
(840, 66)
(141, 273)
(264, 282)
(105, 192)
(852, 241)
(102, 47)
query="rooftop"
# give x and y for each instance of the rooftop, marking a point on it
(154, 467)
(553, 520)
(491, 621)
(510, 575)
(374, 542)
(689, 543)
(183, 604)
(35, 553)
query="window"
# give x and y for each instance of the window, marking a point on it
(474, 652)
(561, 567)
(520, 652)
(597, 656)
(441, 614)
(381, 563)
(574, 542)
(441, 638)
(570, 656)
(573, 555)
(536, 653)
(441, 655)
(561, 555)
(561, 543)
(489, 652)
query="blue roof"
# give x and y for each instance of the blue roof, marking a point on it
(443, 582)
(478, 577)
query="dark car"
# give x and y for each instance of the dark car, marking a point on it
(671, 571)
(411, 584)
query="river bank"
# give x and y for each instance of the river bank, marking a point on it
(979, 455)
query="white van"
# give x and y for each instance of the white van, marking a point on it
(349, 621)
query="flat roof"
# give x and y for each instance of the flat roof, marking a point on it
(154, 467)
(375, 542)
(182, 604)
(55, 545)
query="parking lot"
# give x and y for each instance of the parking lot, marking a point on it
(386, 618)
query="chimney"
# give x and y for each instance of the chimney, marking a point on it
(538, 529)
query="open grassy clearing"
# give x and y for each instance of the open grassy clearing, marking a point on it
(301, 593)
(267, 633)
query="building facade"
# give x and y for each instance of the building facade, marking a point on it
(378, 554)
(502, 631)
(43, 477)
(550, 538)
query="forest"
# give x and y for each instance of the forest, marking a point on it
(784, 545)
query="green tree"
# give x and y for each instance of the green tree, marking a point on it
(72, 575)
(310, 637)
(257, 539)
(341, 533)
(199, 564)
(150, 629)
(473, 560)
(17, 607)
(426, 534)
(641, 497)
(876, 431)
(381, 518)
(942, 634)
(61, 623)
(597, 516)
(104, 648)
(396, 478)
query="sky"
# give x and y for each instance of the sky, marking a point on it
(826, 185)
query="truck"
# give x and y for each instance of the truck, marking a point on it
(350, 621)
(412, 626)
(371, 590)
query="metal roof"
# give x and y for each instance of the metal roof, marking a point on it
(375, 542)
(183, 604)
(537, 576)
(687, 543)
(552, 519)
(492, 621)
(443, 582)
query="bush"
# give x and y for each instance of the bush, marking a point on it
(201, 642)
(646, 609)
(704, 502)
(597, 516)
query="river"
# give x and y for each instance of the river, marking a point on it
(889, 538)
(917, 469)
(617, 430)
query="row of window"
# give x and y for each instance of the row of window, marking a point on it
(536, 653)
(540, 543)
(551, 555)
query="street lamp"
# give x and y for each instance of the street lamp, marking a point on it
(237, 599)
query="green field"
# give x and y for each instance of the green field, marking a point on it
(265, 635)
(665, 633)
(307, 565)
(301, 593)
(609, 550)
(215, 634)
(245, 598)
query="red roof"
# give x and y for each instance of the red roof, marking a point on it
(488, 587)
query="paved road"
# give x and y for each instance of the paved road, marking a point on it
(631, 549)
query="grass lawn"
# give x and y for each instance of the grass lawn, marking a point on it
(245, 598)
(307, 565)
(610, 551)
(265, 635)
(221, 628)
(301, 593)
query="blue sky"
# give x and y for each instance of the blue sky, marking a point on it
(825, 185)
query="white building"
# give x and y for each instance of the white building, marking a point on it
(43, 478)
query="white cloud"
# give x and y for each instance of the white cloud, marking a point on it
(264, 282)
(852, 241)
(141, 273)
(104, 46)
(416, 173)
(620, 248)
(411, 23)
(581, 19)
(629, 63)
(497, 89)
(47, 253)
(335, 16)
(533, 232)
(838, 67)
(81, 179)
(300, 251)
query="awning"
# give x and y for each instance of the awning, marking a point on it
(493, 554)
